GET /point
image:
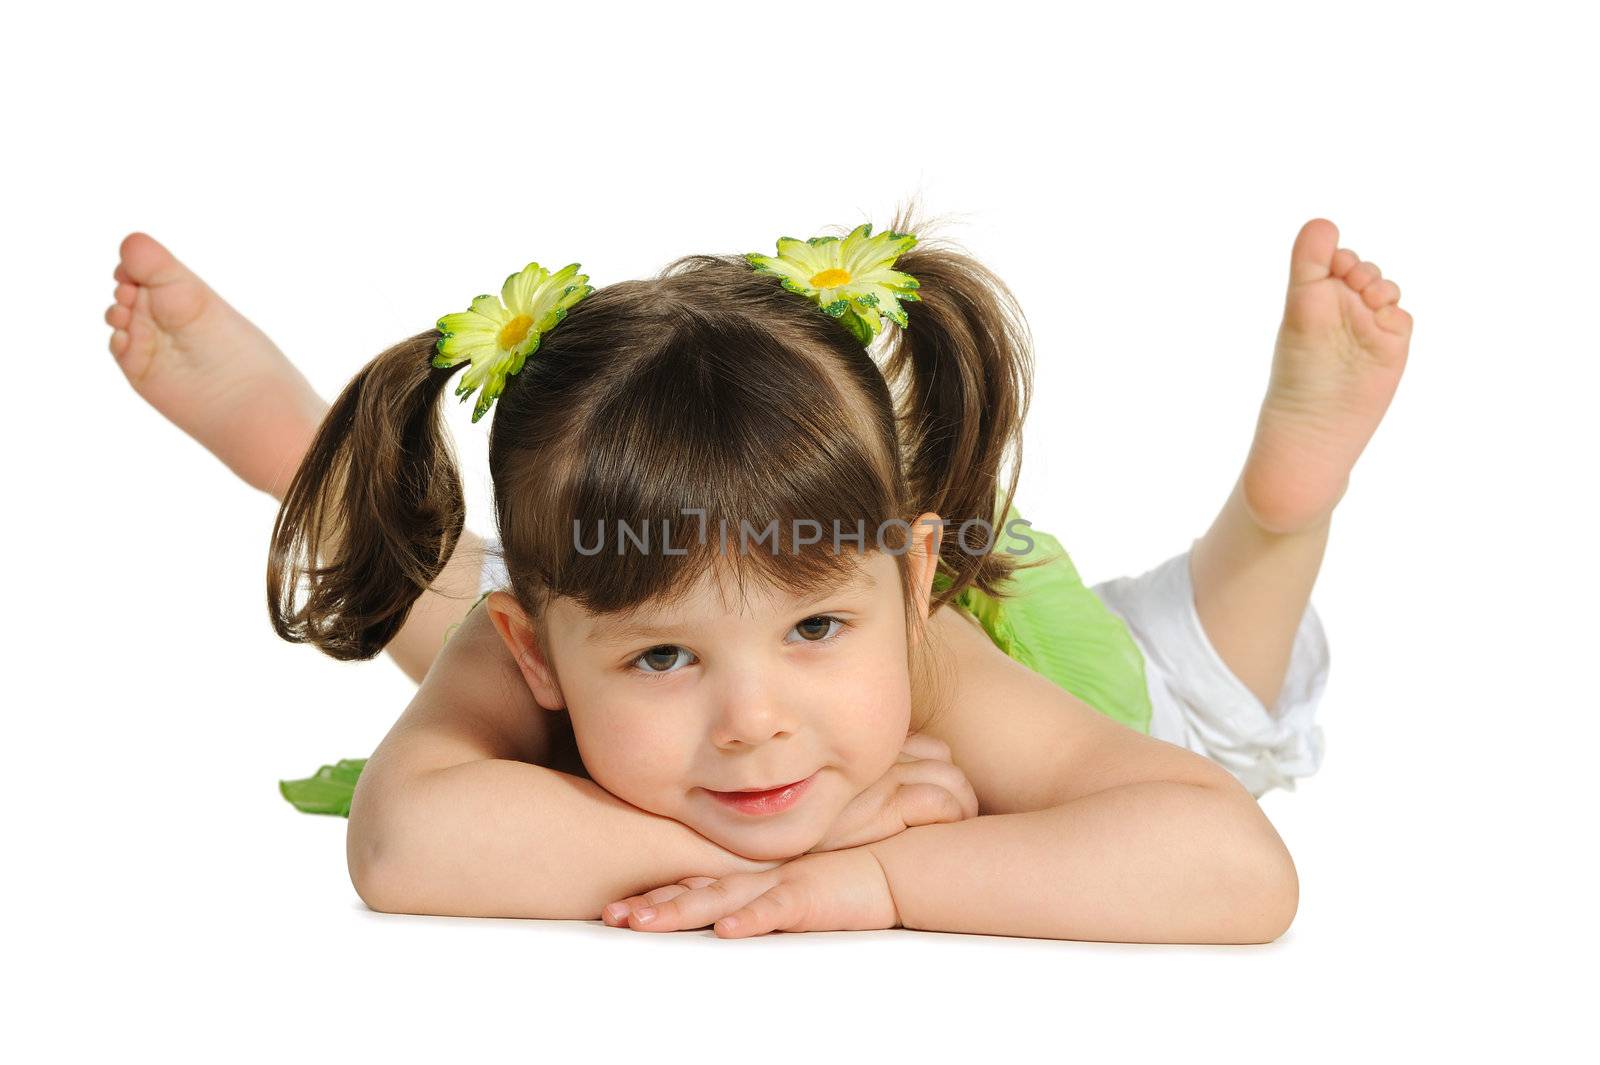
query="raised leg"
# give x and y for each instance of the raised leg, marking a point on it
(1341, 350)
(216, 376)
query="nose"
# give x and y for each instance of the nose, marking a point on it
(751, 709)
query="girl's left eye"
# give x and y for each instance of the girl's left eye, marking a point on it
(809, 633)
(809, 630)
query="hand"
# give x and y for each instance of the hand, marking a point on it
(844, 890)
(923, 787)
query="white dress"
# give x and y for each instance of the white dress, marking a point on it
(1195, 699)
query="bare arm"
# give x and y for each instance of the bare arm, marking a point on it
(1154, 861)
(421, 638)
(1087, 829)
(459, 811)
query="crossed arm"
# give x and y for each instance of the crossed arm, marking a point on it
(477, 803)
(1087, 830)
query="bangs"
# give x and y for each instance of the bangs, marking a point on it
(698, 463)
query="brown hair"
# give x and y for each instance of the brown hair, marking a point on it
(709, 386)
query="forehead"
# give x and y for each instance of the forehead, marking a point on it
(716, 594)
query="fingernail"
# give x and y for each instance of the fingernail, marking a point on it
(645, 915)
(617, 911)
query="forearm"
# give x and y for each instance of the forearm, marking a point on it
(1251, 588)
(501, 838)
(1153, 862)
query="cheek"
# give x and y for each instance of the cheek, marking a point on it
(872, 714)
(627, 742)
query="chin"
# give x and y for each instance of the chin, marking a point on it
(769, 845)
(771, 854)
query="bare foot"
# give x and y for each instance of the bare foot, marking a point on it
(208, 368)
(1341, 350)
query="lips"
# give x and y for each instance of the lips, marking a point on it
(767, 801)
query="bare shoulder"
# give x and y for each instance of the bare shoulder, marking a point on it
(473, 705)
(1025, 742)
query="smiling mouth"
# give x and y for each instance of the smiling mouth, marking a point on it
(760, 791)
(767, 801)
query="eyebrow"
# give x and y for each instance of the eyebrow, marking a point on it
(615, 630)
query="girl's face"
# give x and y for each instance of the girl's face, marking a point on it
(670, 708)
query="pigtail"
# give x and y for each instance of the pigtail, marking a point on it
(962, 372)
(373, 512)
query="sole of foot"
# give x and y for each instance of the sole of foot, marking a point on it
(1341, 351)
(207, 368)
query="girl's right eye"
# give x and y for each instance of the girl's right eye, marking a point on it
(663, 656)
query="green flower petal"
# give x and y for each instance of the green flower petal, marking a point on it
(870, 314)
(489, 307)
(872, 293)
(799, 252)
(517, 292)
(795, 278)
(475, 336)
(858, 327)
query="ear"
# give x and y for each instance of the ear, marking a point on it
(522, 640)
(927, 533)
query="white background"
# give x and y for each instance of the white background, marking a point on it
(1136, 175)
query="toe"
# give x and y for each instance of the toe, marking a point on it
(1380, 293)
(1343, 260)
(118, 316)
(1361, 275)
(1311, 258)
(173, 296)
(1395, 319)
(119, 343)
(147, 262)
(126, 294)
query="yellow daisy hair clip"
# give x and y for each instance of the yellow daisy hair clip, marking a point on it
(849, 278)
(497, 334)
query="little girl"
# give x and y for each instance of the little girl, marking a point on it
(712, 680)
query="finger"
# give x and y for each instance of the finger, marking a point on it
(954, 781)
(928, 804)
(698, 881)
(774, 910)
(946, 775)
(920, 745)
(617, 912)
(699, 907)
